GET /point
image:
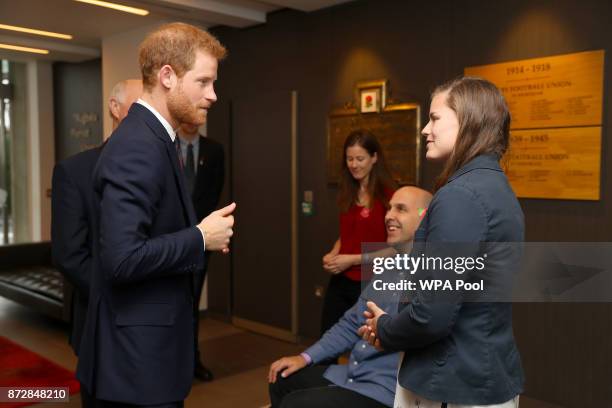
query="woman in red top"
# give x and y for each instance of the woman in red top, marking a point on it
(365, 189)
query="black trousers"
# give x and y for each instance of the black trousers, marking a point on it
(342, 293)
(88, 401)
(308, 388)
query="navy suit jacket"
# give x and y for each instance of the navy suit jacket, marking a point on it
(138, 344)
(455, 351)
(71, 231)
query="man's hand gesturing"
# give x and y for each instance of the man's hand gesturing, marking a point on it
(217, 229)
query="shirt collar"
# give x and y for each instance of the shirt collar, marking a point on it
(159, 117)
(184, 142)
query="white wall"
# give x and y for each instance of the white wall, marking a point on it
(119, 62)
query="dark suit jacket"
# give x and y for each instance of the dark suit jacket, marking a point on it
(462, 352)
(138, 343)
(71, 231)
(209, 178)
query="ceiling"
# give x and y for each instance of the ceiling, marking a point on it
(88, 24)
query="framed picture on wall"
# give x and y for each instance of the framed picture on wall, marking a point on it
(370, 100)
(397, 127)
(371, 96)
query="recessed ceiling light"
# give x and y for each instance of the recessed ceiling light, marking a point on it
(115, 6)
(37, 32)
(24, 49)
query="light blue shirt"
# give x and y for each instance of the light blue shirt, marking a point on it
(369, 372)
(184, 144)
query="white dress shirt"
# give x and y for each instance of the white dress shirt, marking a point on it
(159, 117)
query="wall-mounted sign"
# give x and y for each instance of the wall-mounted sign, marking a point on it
(555, 163)
(556, 105)
(397, 128)
(83, 118)
(559, 91)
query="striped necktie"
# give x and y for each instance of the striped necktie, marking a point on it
(190, 168)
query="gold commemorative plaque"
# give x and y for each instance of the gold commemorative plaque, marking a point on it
(556, 105)
(559, 91)
(555, 163)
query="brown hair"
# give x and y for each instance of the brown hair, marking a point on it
(175, 44)
(380, 181)
(484, 122)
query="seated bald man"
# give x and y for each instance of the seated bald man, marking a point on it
(369, 378)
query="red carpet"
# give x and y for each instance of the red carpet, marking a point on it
(20, 367)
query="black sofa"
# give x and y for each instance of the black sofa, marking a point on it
(27, 276)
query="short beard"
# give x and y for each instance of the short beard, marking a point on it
(181, 110)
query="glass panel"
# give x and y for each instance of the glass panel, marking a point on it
(14, 208)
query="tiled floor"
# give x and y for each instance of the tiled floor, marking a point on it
(238, 359)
